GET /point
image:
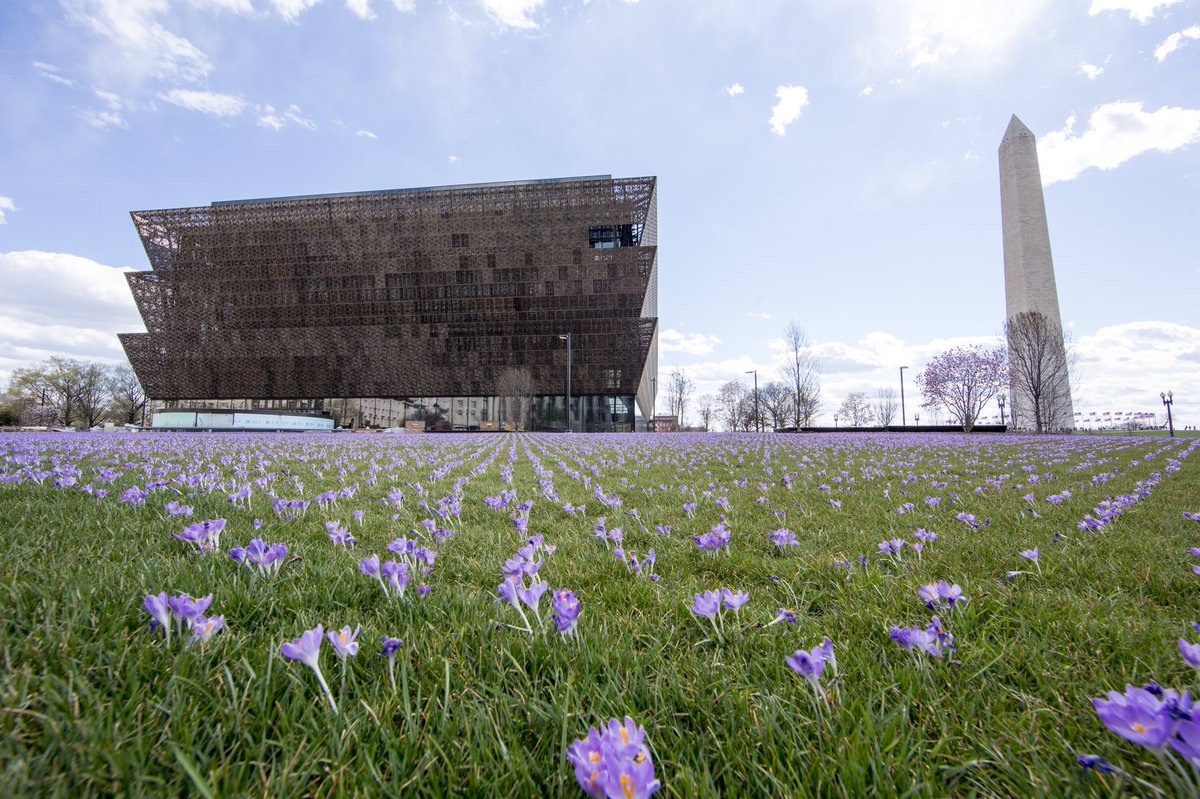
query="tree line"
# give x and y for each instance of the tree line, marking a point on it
(72, 393)
(1031, 374)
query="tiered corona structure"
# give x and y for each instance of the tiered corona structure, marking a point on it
(1029, 284)
(420, 297)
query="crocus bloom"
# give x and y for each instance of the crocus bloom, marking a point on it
(345, 643)
(566, 611)
(1187, 740)
(1137, 716)
(204, 628)
(532, 596)
(1030, 554)
(307, 650)
(1191, 653)
(707, 604)
(734, 599)
(614, 761)
(160, 612)
(811, 664)
(390, 647)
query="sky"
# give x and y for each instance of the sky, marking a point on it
(831, 163)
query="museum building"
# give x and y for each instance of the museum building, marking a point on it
(407, 307)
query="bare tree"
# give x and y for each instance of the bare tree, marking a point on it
(804, 373)
(77, 390)
(706, 409)
(778, 403)
(1041, 360)
(92, 395)
(128, 399)
(679, 392)
(732, 404)
(885, 406)
(515, 390)
(856, 410)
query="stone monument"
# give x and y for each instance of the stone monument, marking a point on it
(1029, 268)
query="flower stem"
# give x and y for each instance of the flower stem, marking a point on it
(325, 688)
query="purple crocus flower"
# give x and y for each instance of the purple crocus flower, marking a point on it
(508, 591)
(811, 664)
(734, 599)
(707, 604)
(1137, 716)
(390, 647)
(1191, 653)
(160, 612)
(532, 596)
(1030, 554)
(614, 761)
(566, 611)
(345, 643)
(307, 650)
(204, 628)
(1187, 740)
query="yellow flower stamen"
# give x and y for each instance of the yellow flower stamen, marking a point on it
(1139, 729)
(627, 786)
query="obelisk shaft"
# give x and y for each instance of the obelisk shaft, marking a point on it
(1028, 265)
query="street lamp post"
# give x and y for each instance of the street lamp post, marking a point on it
(835, 420)
(1000, 401)
(757, 418)
(917, 418)
(903, 418)
(567, 338)
(1168, 398)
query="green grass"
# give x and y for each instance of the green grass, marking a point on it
(93, 703)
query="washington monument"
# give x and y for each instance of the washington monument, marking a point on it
(1040, 385)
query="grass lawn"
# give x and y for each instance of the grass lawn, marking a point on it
(95, 702)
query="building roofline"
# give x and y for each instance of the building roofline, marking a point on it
(416, 190)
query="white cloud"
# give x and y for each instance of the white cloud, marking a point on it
(104, 119)
(212, 103)
(1116, 132)
(670, 340)
(1141, 10)
(50, 286)
(407, 6)
(50, 72)
(792, 100)
(1125, 366)
(291, 10)
(60, 304)
(513, 13)
(867, 91)
(944, 33)
(1091, 70)
(1175, 41)
(293, 114)
(734, 89)
(140, 46)
(270, 119)
(240, 7)
(453, 159)
(111, 99)
(366, 134)
(109, 117)
(361, 8)
(6, 204)
(758, 315)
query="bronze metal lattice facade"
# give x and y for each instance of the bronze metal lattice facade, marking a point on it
(411, 292)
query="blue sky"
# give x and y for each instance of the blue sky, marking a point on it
(828, 162)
